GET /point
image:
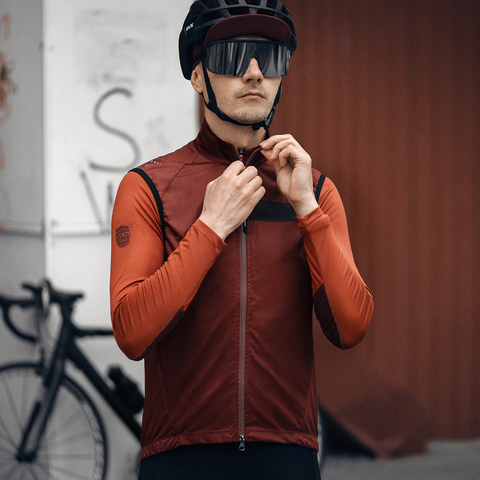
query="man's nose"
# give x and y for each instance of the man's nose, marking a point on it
(253, 72)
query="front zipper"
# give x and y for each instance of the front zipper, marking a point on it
(243, 339)
(243, 330)
(243, 324)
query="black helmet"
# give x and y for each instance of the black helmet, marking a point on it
(204, 14)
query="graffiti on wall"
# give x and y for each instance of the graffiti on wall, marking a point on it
(7, 87)
(112, 101)
(117, 63)
(98, 166)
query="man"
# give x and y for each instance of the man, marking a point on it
(219, 251)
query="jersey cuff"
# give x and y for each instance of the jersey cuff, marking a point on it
(211, 236)
(315, 220)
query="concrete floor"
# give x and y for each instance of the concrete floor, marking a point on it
(444, 460)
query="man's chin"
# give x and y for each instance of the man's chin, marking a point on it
(250, 117)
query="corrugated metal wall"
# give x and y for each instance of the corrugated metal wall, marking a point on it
(385, 97)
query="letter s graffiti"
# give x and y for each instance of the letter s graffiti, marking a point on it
(114, 131)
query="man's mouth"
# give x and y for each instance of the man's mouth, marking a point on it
(253, 94)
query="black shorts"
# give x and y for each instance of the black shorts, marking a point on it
(259, 461)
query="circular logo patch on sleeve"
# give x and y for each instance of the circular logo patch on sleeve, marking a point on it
(123, 235)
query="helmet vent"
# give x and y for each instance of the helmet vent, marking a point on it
(211, 3)
(212, 16)
(272, 4)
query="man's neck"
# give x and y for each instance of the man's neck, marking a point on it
(241, 137)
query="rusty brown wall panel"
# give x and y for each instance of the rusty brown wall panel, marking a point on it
(385, 97)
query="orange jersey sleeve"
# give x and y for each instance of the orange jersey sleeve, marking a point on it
(332, 266)
(147, 294)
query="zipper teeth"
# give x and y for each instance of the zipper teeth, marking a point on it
(242, 347)
(243, 326)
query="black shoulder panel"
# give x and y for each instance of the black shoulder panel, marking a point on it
(156, 195)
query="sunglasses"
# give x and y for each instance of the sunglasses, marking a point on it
(232, 57)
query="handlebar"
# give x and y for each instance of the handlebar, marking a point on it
(62, 297)
(7, 302)
(66, 300)
(43, 295)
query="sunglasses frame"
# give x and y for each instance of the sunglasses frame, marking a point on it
(263, 63)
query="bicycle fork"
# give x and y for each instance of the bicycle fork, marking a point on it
(40, 412)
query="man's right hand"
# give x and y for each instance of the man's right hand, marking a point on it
(230, 198)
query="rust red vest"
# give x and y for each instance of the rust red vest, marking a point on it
(238, 365)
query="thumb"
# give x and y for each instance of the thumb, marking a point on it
(275, 163)
(268, 154)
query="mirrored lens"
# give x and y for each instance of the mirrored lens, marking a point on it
(233, 57)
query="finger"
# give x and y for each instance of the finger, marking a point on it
(248, 174)
(287, 154)
(270, 142)
(281, 155)
(267, 154)
(274, 160)
(292, 143)
(258, 195)
(272, 153)
(235, 168)
(255, 183)
(255, 197)
(268, 146)
(284, 149)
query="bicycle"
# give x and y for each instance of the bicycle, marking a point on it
(50, 427)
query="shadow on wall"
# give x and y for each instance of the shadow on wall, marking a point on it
(363, 411)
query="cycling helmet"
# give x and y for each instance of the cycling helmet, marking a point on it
(204, 14)
(213, 20)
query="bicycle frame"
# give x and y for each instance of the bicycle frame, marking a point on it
(65, 350)
(44, 403)
(76, 356)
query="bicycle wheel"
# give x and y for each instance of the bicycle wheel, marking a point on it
(322, 438)
(73, 445)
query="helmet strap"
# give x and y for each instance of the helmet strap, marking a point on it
(213, 107)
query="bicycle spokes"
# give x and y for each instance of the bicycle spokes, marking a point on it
(73, 444)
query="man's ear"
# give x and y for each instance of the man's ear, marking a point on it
(197, 80)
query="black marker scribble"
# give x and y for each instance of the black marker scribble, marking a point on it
(114, 131)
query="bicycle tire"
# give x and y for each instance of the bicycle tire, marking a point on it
(74, 445)
(322, 438)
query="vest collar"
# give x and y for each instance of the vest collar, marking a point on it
(214, 148)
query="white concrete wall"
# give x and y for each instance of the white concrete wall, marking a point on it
(21, 141)
(69, 58)
(22, 246)
(126, 53)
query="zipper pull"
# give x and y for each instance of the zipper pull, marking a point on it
(241, 151)
(241, 440)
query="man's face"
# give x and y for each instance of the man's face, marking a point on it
(247, 98)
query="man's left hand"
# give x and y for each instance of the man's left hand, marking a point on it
(293, 166)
